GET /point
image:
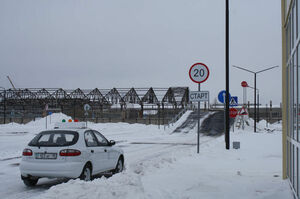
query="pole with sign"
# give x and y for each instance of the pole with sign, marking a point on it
(232, 114)
(50, 113)
(199, 73)
(244, 84)
(46, 111)
(86, 108)
(199, 96)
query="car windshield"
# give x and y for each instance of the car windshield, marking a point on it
(55, 138)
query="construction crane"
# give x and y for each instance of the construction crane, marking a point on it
(11, 83)
(16, 91)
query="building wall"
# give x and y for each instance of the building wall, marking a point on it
(290, 92)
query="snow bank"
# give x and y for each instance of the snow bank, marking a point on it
(51, 120)
(263, 125)
(253, 171)
(119, 186)
(14, 137)
(168, 169)
(33, 126)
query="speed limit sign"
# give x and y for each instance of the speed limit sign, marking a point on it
(199, 73)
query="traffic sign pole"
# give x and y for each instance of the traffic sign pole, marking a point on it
(198, 140)
(255, 103)
(198, 73)
(244, 84)
(46, 110)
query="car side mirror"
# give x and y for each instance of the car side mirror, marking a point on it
(112, 142)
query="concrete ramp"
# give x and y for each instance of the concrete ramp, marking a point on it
(214, 124)
(189, 123)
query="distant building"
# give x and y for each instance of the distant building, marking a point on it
(290, 15)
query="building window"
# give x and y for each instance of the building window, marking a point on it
(295, 20)
(294, 168)
(288, 159)
(298, 16)
(288, 43)
(291, 99)
(298, 191)
(295, 101)
(292, 73)
(291, 163)
(287, 99)
(298, 91)
(292, 28)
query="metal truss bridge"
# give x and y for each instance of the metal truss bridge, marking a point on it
(34, 100)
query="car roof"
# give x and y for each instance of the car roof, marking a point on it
(68, 129)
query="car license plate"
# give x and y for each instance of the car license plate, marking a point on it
(45, 155)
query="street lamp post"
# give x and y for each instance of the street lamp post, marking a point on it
(227, 123)
(4, 104)
(255, 73)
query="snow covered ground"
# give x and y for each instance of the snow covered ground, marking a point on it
(159, 164)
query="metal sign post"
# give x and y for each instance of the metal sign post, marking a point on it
(244, 84)
(232, 114)
(50, 113)
(198, 131)
(199, 96)
(85, 115)
(198, 73)
(46, 110)
(86, 108)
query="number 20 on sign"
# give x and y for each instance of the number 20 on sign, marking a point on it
(199, 73)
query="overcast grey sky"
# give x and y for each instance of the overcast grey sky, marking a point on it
(139, 43)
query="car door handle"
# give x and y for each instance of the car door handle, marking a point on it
(105, 150)
(92, 151)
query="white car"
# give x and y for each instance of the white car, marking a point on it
(69, 153)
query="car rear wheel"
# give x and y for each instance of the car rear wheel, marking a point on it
(86, 174)
(30, 182)
(120, 166)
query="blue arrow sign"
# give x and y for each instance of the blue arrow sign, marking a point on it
(222, 96)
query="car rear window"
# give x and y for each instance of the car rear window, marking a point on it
(55, 138)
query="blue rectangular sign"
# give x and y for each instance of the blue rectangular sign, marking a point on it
(233, 101)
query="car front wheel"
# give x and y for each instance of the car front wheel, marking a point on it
(120, 166)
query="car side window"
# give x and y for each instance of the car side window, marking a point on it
(102, 141)
(90, 139)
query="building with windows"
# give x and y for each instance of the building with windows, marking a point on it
(290, 15)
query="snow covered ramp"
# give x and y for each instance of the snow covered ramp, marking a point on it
(189, 123)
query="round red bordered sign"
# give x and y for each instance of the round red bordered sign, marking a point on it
(233, 112)
(199, 73)
(244, 84)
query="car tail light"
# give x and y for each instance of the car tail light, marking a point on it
(69, 152)
(27, 152)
